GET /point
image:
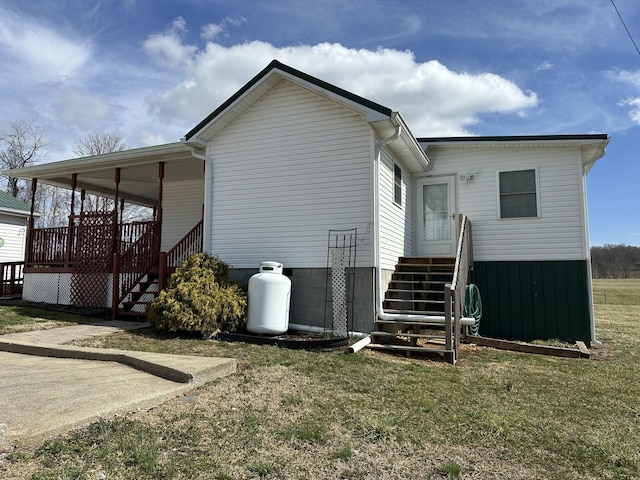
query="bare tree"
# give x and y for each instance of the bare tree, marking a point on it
(97, 143)
(23, 144)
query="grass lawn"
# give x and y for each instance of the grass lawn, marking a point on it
(312, 415)
(616, 292)
(17, 318)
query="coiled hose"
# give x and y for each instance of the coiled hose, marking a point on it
(473, 308)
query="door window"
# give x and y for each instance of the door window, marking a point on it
(436, 212)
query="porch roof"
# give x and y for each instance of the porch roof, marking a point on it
(139, 177)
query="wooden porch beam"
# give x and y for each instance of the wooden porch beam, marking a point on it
(116, 198)
(160, 189)
(74, 185)
(29, 239)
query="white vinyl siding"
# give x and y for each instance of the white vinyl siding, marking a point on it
(396, 230)
(13, 231)
(290, 169)
(182, 210)
(558, 233)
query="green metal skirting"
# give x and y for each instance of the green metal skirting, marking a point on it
(534, 300)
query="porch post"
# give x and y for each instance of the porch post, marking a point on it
(161, 179)
(70, 229)
(29, 239)
(74, 184)
(159, 215)
(83, 194)
(116, 198)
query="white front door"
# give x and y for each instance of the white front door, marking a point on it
(437, 218)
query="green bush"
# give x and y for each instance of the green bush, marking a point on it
(199, 298)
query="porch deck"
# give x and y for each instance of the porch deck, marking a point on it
(109, 263)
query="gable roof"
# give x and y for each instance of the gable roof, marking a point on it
(386, 123)
(278, 71)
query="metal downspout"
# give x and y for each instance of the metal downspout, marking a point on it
(380, 313)
(208, 188)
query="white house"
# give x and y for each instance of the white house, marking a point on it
(14, 218)
(290, 157)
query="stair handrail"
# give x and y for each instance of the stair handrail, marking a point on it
(135, 262)
(454, 292)
(190, 243)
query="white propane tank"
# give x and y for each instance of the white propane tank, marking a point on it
(269, 299)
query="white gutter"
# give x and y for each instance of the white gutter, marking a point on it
(381, 314)
(208, 189)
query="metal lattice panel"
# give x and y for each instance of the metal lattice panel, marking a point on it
(340, 283)
(339, 291)
(94, 247)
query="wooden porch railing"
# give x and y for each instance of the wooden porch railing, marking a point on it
(189, 244)
(49, 247)
(134, 263)
(56, 246)
(12, 275)
(454, 292)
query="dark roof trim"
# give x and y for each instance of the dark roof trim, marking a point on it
(515, 138)
(296, 73)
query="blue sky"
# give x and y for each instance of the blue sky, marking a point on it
(151, 70)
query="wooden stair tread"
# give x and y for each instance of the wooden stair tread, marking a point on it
(410, 323)
(416, 300)
(403, 290)
(407, 348)
(379, 333)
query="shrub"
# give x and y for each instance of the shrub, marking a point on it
(200, 298)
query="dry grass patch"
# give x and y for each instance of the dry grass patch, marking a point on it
(16, 318)
(295, 415)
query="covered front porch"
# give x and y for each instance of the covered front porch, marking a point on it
(102, 259)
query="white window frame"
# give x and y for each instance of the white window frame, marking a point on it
(498, 193)
(397, 196)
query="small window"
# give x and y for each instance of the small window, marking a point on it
(518, 196)
(397, 184)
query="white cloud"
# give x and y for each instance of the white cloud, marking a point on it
(34, 51)
(167, 47)
(632, 78)
(546, 65)
(634, 113)
(212, 31)
(433, 99)
(83, 109)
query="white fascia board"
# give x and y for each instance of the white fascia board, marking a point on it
(123, 158)
(18, 213)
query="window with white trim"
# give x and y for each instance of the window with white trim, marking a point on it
(397, 184)
(518, 194)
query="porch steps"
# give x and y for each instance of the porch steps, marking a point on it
(147, 289)
(416, 288)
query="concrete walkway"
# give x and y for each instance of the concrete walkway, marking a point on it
(48, 387)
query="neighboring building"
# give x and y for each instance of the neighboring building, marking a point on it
(290, 157)
(14, 220)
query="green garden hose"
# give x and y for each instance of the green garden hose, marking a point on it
(473, 308)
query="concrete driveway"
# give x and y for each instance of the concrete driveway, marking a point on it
(48, 388)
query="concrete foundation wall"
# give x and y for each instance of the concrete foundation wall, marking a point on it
(308, 287)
